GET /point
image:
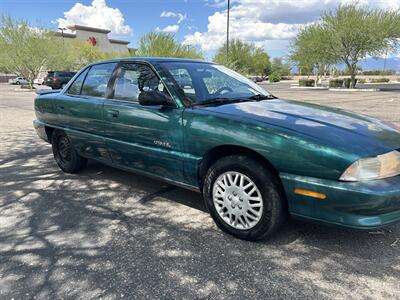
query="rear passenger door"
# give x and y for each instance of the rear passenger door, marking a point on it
(147, 138)
(80, 110)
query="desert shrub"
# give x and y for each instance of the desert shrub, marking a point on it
(335, 83)
(275, 77)
(347, 82)
(379, 80)
(27, 86)
(379, 72)
(306, 82)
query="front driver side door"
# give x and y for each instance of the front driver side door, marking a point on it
(146, 138)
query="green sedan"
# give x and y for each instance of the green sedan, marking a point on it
(255, 158)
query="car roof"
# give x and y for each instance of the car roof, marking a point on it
(152, 60)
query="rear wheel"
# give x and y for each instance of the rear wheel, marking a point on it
(65, 155)
(244, 198)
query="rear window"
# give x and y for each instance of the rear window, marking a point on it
(64, 74)
(96, 81)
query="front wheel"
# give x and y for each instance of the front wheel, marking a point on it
(65, 155)
(244, 198)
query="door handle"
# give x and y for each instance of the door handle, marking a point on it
(112, 113)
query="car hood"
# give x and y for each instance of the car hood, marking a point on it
(331, 126)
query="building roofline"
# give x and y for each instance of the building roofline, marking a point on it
(114, 41)
(65, 34)
(87, 28)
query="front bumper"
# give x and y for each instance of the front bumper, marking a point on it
(363, 205)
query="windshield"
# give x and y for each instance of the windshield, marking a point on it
(202, 82)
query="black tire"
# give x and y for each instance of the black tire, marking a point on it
(18, 83)
(274, 202)
(63, 86)
(64, 153)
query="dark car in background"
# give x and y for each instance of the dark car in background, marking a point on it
(58, 79)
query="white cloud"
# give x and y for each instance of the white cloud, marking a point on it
(170, 14)
(98, 14)
(265, 22)
(169, 29)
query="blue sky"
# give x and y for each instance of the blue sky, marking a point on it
(140, 15)
(270, 24)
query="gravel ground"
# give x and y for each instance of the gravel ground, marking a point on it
(110, 234)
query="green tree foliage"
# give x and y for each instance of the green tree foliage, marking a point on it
(26, 51)
(310, 51)
(244, 58)
(278, 66)
(275, 76)
(348, 35)
(159, 44)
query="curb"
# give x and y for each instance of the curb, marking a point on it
(353, 90)
(309, 87)
(25, 90)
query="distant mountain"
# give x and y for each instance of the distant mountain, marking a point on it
(392, 63)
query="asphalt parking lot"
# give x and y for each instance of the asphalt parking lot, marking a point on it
(110, 234)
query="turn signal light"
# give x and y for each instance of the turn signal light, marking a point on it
(310, 193)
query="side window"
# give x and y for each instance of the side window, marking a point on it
(132, 79)
(183, 79)
(75, 88)
(96, 81)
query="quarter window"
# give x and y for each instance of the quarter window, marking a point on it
(96, 81)
(132, 79)
(75, 88)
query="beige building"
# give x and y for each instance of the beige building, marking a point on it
(97, 37)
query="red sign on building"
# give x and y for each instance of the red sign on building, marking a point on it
(92, 41)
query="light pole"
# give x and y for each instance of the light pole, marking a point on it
(227, 30)
(62, 32)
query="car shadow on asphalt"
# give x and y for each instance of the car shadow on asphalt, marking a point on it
(292, 230)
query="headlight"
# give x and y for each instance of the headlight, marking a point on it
(381, 166)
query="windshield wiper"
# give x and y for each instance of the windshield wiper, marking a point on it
(219, 100)
(260, 97)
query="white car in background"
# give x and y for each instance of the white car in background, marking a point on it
(38, 81)
(18, 80)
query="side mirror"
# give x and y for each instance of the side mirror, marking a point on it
(148, 98)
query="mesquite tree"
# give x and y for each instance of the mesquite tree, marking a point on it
(26, 51)
(348, 35)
